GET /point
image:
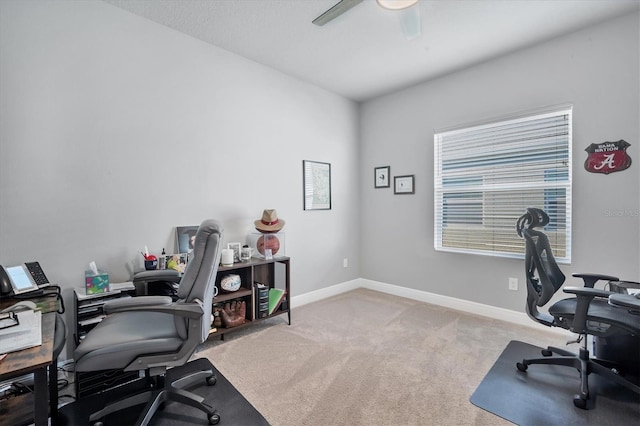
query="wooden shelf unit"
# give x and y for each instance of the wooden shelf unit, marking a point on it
(273, 273)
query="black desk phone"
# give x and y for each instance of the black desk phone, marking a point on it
(24, 278)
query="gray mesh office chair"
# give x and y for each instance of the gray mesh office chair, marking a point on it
(588, 313)
(154, 334)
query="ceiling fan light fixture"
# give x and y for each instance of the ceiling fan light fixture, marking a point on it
(396, 4)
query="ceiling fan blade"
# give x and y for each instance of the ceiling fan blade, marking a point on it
(338, 9)
(411, 22)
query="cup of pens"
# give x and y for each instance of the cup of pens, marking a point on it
(150, 261)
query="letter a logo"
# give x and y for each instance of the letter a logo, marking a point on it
(608, 162)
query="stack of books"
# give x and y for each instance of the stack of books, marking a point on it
(262, 300)
(268, 300)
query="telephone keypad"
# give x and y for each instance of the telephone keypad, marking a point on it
(36, 272)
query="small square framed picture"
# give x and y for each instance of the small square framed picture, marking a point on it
(381, 177)
(404, 184)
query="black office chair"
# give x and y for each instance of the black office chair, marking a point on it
(586, 314)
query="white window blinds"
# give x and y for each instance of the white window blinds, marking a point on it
(485, 176)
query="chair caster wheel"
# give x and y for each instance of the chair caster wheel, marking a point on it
(580, 402)
(214, 419)
(546, 352)
(521, 366)
(212, 380)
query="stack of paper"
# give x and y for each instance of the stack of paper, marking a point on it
(27, 334)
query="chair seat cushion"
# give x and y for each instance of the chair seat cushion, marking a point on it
(118, 339)
(602, 320)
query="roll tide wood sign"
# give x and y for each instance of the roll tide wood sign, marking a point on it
(607, 157)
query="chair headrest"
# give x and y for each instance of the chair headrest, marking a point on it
(533, 218)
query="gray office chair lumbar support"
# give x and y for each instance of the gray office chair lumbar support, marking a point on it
(158, 336)
(589, 313)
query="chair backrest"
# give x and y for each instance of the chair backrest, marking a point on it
(199, 279)
(544, 277)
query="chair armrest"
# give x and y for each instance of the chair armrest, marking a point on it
(591, 279)
(587, 292)
(117, 305)
(192, 310)
(584, 295)
(169, 275)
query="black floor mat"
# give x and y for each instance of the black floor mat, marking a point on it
(233, 408)
(544, 394)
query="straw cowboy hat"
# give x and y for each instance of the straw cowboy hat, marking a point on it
(269, 222)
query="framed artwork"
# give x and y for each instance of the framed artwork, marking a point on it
(236, 247)
(185, 238)
(403, 184)
(381, 177)
(316, 185)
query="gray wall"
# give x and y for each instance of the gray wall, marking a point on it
(597, 71)
(115, 129)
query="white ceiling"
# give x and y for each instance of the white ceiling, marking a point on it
(363, 53)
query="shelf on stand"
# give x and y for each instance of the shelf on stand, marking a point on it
(272, 273)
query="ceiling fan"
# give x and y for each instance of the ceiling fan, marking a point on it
(409, 18)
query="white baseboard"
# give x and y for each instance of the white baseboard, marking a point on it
(324, 293)
(519, 318)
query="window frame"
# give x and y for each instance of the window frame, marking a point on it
(547, 185)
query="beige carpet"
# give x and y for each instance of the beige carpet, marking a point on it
(368, 358)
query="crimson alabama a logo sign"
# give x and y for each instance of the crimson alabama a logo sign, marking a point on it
(607, 157)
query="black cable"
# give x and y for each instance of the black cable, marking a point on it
(58, 295)
(65, 371)
(62, 383)
(22, 388)
(15, 389)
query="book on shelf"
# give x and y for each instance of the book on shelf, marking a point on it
(275, 299)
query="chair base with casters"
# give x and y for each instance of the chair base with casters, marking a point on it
(585, 366)
(165, 389)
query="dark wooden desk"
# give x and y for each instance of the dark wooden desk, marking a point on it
(34, 360)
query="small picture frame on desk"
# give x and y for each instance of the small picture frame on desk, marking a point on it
(177, 262)
(236, 247)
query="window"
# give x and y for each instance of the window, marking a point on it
(486, 175)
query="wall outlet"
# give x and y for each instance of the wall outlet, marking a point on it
(345, 262)
(513, 284)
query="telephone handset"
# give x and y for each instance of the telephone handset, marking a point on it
(23, 278)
